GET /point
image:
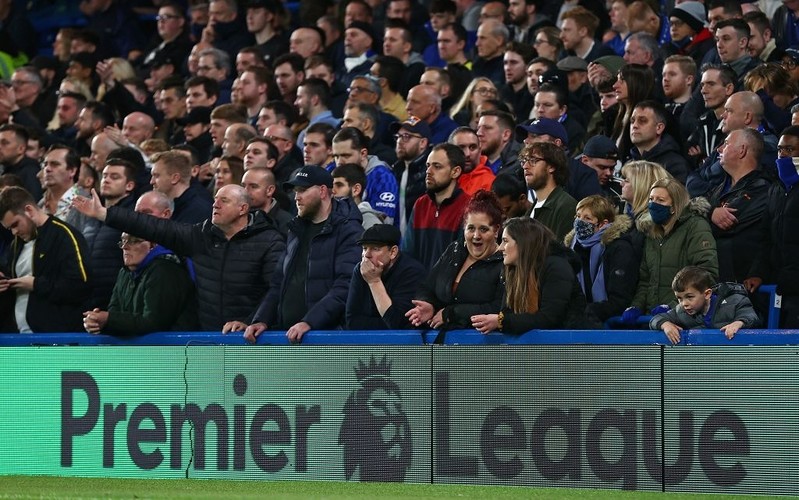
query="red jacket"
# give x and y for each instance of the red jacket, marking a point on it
(480, 178)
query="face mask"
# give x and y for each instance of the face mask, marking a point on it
(659, 213)
(787, 171)
(583, 229)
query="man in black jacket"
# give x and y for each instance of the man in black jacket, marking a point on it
(48, 266)
(383, 283)
(234, 252)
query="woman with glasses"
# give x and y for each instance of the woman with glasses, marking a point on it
(548, 43)
(153, 292)
(541, 288)
(464, 112)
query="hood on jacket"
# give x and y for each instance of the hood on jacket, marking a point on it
(666, 145)
(698, 206)
(621, 225)
(372, 161)
(725, 289)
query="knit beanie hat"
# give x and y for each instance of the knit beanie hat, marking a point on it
(691, 13)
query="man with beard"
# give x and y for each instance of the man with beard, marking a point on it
(495, 129)
(678, 83)
(525, 20)
(413, 146)
(310, 284)
(436, 217)
(546, 171)
(476, 173)
(13, 142)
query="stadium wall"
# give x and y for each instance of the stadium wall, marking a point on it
(638, 417)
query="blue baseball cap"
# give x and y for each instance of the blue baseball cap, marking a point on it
(543, 126)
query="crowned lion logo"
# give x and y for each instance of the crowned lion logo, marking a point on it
(375, 432)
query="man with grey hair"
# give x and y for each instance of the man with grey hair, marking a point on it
(235, 251)
(366, 89)
(215, 64)
(28, 92)
(492, 36)
(424, 103)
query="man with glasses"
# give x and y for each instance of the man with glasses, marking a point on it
(28, 92)
(288, 159)
(790, 61)
(367, 89)
(546, 172)
(173, 39)
(413, 146)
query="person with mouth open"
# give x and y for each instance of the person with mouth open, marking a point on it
(466, 280)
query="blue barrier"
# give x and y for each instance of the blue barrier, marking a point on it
(414, 337)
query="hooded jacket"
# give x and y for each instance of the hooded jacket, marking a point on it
(382, 189)
(561, 303)
(730, 303)
(666, 153)
(690, 243)
(620, 262)
(158, 295)
(332, 256)
(232, 275)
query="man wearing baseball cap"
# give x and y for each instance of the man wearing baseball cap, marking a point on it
(600, 153)
(582, 179)
(310, 283)
(383, 283)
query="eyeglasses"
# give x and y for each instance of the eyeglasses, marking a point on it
(788, 63)
(166, 17)
(406, 137)
(19, 83)
(485, 91)
(126, 242)
(273, 138)
(531, 159)
(358, 90)
(785, 149)
(204, 68)
(539, 42)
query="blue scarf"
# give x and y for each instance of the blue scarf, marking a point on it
(596, 268)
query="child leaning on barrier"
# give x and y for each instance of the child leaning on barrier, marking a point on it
(701, 304)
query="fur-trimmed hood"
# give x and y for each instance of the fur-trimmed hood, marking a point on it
(698, 206)
(621, 225)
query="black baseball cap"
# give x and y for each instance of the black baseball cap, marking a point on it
(309, 175)
(385, 234)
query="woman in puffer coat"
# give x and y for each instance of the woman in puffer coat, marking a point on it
(604, 242)
(677, 235)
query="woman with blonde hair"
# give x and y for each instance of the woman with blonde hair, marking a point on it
(464, 112)
(677, 235)
(541, 288)
(636, 181)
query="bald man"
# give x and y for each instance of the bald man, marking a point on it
(234, 253)
(424, 102)
(138, 127)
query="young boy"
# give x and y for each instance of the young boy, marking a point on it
(701, 305)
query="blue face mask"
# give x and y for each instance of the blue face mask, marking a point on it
(583, 229)
(787, 171)
(659, 213)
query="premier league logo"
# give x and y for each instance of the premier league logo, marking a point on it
(375, 432)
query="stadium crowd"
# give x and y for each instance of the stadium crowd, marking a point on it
(398, 164)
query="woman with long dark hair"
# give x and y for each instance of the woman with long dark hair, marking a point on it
(541, 288)
(634, 84)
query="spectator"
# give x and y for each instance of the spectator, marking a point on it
(578, 26)
(30, 94)
(398, 42)
(514, 92)
(677, 235)
(13, 142)
(366, 89)
(436, 217)
(236, 137)
(229, 170)
(60, 170)
(358, 41)
(307, 42)
(364, 117)
(413, 147)
(465, 281)
(492, 36)
(618, 26)
(732, 39)
(388, 71)
(601, 154)
(548, 43)
(172, 40)
(546, 171)
(738, 204)
(275, 112)
(153, 292)
(512, 196)
(495, 129)
(678, 83)
(48, 266)
(349, 181)
(350, 145)
(609, 256)
(171, 175)
(636, 179)
(451, 45)
(319, 67)
(689, 36)
(541, 289)
(117, 26)
(633, 85)
(651, 141)
(525, 20)
(464, 112)
(201, 91)
(287, 159)
(310, 284)
(716, 85)
(226, 30)
(256, 87)
(313, 100)
(215, 64)
(551, 102)
(777, 91)
(425, 103)
(383, 283)
(317, 146)
(67, 111)
(259, 182)
(289, 74)
(701, 304)
(266, 21)
(476, 173)
(234, 252)
(761, 46)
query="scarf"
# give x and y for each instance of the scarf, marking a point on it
(596, 266)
